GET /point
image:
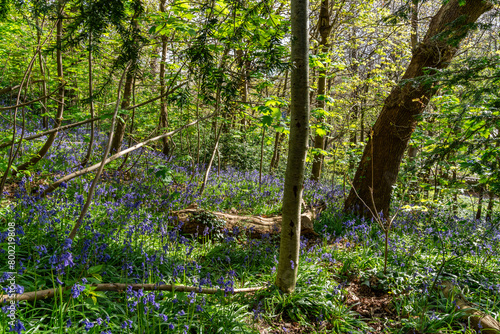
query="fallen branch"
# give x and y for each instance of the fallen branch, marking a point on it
(83, 171)
(32, 101)
(9, 89)
(480, 321)
(16, 87)
(48, 132)
(120, 287)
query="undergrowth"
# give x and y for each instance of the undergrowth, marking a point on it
(131, 236)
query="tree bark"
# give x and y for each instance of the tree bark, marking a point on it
(414, 25)
(324, 28)
(286, 278)
(45, 118)
(163, 103)
(207, 171)
(279, 135)
(92, 113)
(379, 166)
(480, 321)
(121, 125)
(480, 202)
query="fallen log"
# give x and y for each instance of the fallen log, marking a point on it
(120, 287)
(197, 221)
(480, 321)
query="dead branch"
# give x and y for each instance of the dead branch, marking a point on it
(480, 321)
(33, 101)
(83, 171)
(48, 132)
(120, 287)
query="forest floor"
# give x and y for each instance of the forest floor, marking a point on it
(130, 235)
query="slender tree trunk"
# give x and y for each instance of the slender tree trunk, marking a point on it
(354, 116)
(491, 202)
(60, 101)
(90, 194)
(131, 129)
(480, 202)
(414, 25)
(379, 166)
(274, 158)
(91, 98)
(121, 124)
(163, 103)
(286, 278)
(413, 150)
(279, 135)
(362, 114)
(324, 29)
(262, 154)
(45, 118)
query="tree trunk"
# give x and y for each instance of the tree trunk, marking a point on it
(413, 150)
(91, 98)
(278, 139)
(163, 103)
(194, 221)
(491, 202)
(121, 125)
(480, 202)
(286, 278)
(45, 118)
(277, 150)
(379, 166)
(324, 29)
(414, 25)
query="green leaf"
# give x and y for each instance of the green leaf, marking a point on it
(95, 269)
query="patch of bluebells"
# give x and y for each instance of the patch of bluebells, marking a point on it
(132, 219)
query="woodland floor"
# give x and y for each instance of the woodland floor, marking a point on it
(131, 235)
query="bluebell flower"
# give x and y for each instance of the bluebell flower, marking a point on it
(18, 327)
(76, 290)
(88, 324)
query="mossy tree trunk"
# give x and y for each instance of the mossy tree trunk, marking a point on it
(324, 28)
